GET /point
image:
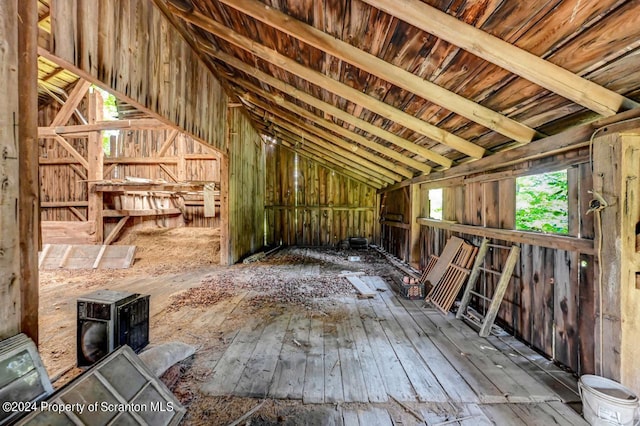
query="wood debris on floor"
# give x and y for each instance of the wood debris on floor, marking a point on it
(290, 330)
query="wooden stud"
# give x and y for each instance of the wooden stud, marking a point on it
(167, 143)
(560, 242)
(71, 150)
(616, 179)
(116, 230)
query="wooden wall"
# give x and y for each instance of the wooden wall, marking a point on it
(318, 207)
(242, 189)
(550, 301)
(62, 178)
(129, 47)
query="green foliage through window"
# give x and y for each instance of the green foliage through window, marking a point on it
(542, 203)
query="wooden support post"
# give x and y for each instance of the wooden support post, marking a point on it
(10, 280)
(225, 177)
(29, 198)
(225, 230)
(617, 180)
(182, 163)
(95, 170)
(418, 203)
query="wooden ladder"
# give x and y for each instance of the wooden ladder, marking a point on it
(498, 295)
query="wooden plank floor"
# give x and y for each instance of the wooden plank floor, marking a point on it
(385, 349)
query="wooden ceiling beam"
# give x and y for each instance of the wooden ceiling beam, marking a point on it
(323, 148)
(372, 104)
(330, 125)
(384, 70)
(351, 151)
(302, 145)
(506, 55)
(317, 152)
(330, 164)
(327, 108)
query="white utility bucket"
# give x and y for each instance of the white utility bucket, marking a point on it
(607, 402)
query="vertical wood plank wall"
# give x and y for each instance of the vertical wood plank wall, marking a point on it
(246, 187)
(131, 48)
(318, 207)
(9, 230)
(550, 301)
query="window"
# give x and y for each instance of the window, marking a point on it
(542, 203)
(435, 203)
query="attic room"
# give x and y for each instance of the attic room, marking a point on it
(327, 212)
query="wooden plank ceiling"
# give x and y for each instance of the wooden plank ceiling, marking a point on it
(400, 89)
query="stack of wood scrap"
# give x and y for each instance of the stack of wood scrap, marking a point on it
(448, 274)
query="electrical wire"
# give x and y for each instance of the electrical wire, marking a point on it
(599, 257)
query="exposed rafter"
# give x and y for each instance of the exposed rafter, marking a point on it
(330, 125)
(309, 146)
(340, 89)
(384, 70)
(326, 141)
(332, 164)
(506, 55)
(328, 108)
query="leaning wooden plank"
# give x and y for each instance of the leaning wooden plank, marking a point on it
(363, 289)
(96, 263)
(43, 255)
(116, 231)
(444, 293)
(447, 256)
(498, 295)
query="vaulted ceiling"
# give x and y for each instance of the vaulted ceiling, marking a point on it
(402, 88)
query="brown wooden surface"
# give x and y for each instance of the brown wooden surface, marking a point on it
(10, 281)
(549, 284)
(329, 207)
(28, 153)
(67, 232)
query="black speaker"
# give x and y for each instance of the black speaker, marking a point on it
(109, 319)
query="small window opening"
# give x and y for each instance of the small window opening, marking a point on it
(542, 203)
(435, 203)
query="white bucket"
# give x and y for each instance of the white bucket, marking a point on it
(606, 402)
